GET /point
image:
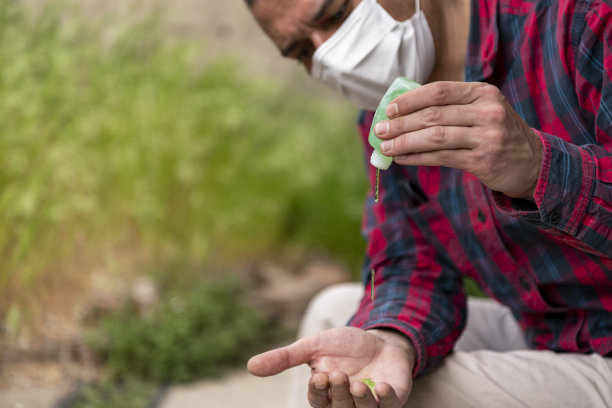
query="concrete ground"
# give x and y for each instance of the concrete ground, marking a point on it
(234, 391)
(32, 398)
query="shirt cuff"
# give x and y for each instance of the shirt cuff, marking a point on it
(563, 191)
(410, 332)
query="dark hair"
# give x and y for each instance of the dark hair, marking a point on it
(249, 3)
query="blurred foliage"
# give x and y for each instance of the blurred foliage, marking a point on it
(131, 393)
(471, 288)
(116, 134)
(193, 332)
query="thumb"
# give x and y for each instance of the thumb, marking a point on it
(276, 361)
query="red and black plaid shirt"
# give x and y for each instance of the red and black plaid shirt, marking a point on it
(550, 262)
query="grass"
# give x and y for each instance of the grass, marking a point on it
(109, 138)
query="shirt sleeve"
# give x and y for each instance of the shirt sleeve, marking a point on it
(573, 196)
(416, 292)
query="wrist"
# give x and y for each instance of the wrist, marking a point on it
(538, 152)
(398, 340)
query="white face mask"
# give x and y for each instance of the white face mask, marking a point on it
(370, 49)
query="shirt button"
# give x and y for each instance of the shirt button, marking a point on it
(554, 217)
(524, 282)
(482, 217)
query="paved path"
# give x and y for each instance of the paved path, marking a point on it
(238, 390)
(31, 398)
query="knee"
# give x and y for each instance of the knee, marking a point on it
(336, 294)
(332, 307)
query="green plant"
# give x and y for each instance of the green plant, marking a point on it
(194, 332)
(130, 393)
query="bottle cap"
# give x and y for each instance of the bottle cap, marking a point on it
(380, 161)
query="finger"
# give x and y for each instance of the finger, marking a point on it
(453, 115)
(318, 391)
(362, 396)
(458, 159)
(437, 94)
(387, 398)
(428, 140)
(340, 395)
(276, 361)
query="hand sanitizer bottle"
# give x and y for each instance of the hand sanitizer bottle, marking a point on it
(379, 160)
(398, 87)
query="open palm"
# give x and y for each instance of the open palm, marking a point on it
(383, 356)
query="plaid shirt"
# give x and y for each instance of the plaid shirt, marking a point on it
(550, 262)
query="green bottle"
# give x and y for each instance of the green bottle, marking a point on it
(398, 87)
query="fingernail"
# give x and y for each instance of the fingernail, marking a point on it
(381, 128)
(392, 110)
(386, 146)
(320, 386)
(400, 158)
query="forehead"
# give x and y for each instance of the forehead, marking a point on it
(283, 20)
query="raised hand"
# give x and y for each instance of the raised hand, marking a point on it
(469, 126)
(340, 358)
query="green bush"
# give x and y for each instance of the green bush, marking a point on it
(126, 394)
(192, 333)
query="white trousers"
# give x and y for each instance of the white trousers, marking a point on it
(491, 366)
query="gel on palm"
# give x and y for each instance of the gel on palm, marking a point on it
(379, 160)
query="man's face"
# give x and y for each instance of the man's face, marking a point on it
(299, 27)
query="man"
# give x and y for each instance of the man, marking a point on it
(507, 181)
